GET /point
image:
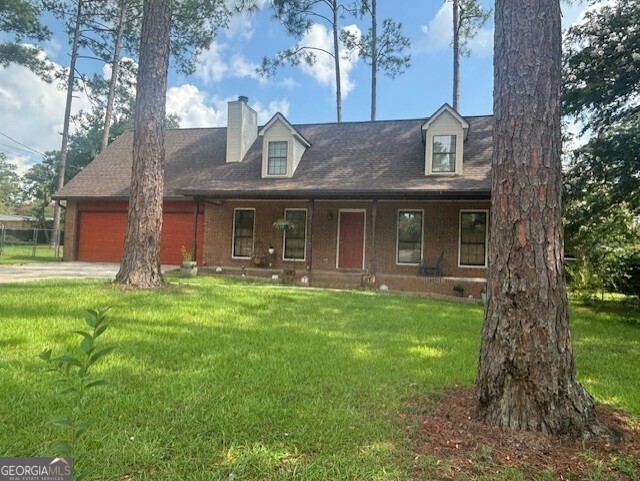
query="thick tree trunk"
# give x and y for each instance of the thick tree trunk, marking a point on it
(456, 55)
(115, 65)
(57, 210)
(374, 59)
(336, 56)
(141, 258)
(526, 374)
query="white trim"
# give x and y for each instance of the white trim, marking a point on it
(398, 263)
(364, 237)
(233, 234)
(284, 236)
(486, 238)
(445, 107)
(278, 116)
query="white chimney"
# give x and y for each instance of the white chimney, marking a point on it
(242, 128)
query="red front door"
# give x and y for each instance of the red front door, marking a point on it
(351, 240)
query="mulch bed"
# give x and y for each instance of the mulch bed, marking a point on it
(461, 447)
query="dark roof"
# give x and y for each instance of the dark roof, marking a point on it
(353, 159)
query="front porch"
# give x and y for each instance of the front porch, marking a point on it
(352, 243)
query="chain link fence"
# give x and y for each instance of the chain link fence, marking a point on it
(29, 244)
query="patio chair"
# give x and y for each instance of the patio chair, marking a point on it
(431, 271)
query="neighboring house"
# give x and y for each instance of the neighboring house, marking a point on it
(369, 201)
(12, 221)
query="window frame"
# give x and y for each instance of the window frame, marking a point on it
(286, 158)
(398, 262)
(233, 235)
(486, 239)
(284, 235)
(434, 153)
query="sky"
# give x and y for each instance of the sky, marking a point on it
(31, 111)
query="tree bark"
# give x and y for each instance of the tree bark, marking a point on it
(140, 265)
(374, 59)
(336, 57)
(115, 65)
(57, 210)
(526, 374)
(456, 54)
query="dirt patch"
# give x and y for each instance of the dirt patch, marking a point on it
(450, 444)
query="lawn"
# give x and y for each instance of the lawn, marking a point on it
(22, 254)
(231, 379)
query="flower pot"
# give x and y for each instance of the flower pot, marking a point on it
(188, 269)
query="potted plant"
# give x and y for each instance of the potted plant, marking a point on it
(189, 267)
(283, 224)
(458, 290)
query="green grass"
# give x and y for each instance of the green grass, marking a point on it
(22, 254)
(230, 379)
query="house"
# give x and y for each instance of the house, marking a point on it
(367, 201)
(13, 221)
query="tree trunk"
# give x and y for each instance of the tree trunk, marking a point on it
(115, 65)
(141, 258)
(336, 52)
(456, 55)
(57, 210)
(526, 374)
(374, 59)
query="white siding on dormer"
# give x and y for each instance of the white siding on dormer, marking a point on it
(279, 132)
(444, 124)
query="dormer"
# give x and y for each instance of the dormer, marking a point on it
(282, 147)
(444, 134)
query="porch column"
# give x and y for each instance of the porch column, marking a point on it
(194, 244)
(374, 215)
(309, 237)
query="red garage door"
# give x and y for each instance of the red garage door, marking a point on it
(101, 236)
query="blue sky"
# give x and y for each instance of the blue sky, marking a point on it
(31, 111)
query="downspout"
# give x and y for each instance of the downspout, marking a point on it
(309, 237)
(374, 215)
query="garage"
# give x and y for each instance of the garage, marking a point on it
(101, 230)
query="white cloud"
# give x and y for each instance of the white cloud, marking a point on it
(197, 109)
(211, 66)
(438, 34)
(31, 112)
(323, 70)
(241, 26)
(574, 14)
(219, 62)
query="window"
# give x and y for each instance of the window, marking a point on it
(295, 239)
(243, 220)
(444, 153)
(473, 238)
(409, 237)
(277, 159)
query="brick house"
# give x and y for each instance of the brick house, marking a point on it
(367, 201)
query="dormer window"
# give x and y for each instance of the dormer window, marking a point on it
(277, 159)
(282, 147)
(444, 134)
(444, 153)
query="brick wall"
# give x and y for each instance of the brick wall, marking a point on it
(441, 231)
(70, 223)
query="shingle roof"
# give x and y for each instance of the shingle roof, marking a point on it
(381, 158)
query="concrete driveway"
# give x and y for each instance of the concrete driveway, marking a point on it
(60, 270)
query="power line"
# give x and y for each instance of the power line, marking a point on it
(24, 145)
(14, 150)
